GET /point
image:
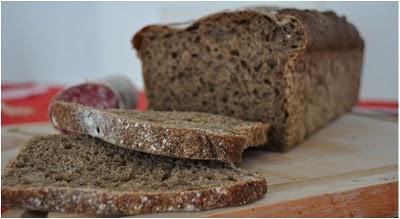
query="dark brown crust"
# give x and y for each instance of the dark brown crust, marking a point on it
(325, 30)
(128, 203)
(323, 78)
(138, 38)
(180, 142)
(328, 62)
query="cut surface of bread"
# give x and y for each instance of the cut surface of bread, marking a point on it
(191, 135)
(80, 174)
(293, 69)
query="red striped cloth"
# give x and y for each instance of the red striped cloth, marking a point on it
(38, 103)
(35, 104)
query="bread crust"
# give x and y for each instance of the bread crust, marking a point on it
(323, 78)
(95, 202)
(325, 30)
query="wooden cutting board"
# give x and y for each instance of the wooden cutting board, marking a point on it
(349, 168)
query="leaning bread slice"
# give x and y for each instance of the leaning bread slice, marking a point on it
(80, 174)
(190, 135)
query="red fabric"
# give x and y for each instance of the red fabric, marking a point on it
(40, 104)
(378, 104)
(17, 85)
(142, 104)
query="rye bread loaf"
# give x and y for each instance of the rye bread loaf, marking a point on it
(80, 174)
(294, 69)
(191, 135)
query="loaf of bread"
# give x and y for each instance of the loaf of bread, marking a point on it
(294, 69)
(191, 135)
(81, 174)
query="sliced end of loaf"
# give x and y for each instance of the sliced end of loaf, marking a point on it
(224, 64)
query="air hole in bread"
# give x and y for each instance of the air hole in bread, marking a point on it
(165, 177)
(294, 46)
(266, 81)
(67, 146)
(244, 22)
(87, 158)
(230, 178)
(272, 63)
(235, 52)
(255, 92)
(257, 67)
(211, 88)
(244, 64)
(277, 92)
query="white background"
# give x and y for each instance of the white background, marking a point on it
(67, 42)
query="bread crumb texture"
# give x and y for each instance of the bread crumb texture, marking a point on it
(86, 175)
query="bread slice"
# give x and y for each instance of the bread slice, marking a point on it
(293, 69)
(80, 174)
(176, 134)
